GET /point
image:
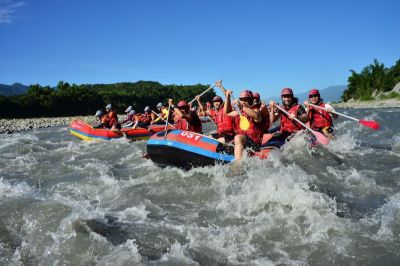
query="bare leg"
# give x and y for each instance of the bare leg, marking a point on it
(239, 146)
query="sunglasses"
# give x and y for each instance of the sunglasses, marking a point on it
(313, 96)
(245, 99)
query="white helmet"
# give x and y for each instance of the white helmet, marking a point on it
(128, 109)
(132, 112)
(99, 113)
(147, 108)
(159, 105)
(109, 106)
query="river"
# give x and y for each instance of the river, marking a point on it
(64, 201)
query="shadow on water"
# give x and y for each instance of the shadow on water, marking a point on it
(152, 240)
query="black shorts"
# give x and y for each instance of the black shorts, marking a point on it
(228, 138)
(249, 143)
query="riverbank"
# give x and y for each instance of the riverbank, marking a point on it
(369, 104)
(9, 126)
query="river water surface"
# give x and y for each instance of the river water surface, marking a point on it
(64, 201)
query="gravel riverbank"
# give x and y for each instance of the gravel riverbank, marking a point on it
(9, 126)
(368, 104)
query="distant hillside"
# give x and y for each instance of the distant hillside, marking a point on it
(329, 94)
(14, 89)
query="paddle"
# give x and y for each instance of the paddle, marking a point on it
(212, 86)
(244, 123)
(368, 123)
(166, 122)
(163, 119)
(320, 137)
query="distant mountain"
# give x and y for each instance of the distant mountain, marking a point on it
(14, 89)
(329, 94)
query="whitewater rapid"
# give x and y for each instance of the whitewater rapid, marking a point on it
(64, 201)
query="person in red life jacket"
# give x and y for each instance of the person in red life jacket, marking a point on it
(112, 119)
(127, 122)
(267, 118)
(130, 119)
(103, 119)
(110, 112)
(225, 124)
(185, 118)
(288, 125)
(145, 119)
(320, 120)
(250, 138)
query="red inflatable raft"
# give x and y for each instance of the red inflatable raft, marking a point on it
(85, 131)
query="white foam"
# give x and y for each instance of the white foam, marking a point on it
(124, 254)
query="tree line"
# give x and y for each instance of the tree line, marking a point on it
(373, 80)
(85, 99)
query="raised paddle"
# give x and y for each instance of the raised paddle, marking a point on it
(320, 137)
(368, 123)
(166, 122)
(212, 86)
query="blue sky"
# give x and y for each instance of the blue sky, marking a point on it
(260, 45)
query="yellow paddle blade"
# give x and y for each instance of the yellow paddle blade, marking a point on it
(244, 123)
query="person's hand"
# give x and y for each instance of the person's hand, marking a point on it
(228, 93)
(218, 83)
(197, 98)
(291, 116)
(306, 103)
(272, 104)
(329, 109)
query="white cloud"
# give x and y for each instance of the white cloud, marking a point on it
(8, 8)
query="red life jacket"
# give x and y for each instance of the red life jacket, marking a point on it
(319, 118)
(111, 114)
(193, 126)
(288, 125)
(145, 118)
(225, 124)
(105, 120)
(254, 132)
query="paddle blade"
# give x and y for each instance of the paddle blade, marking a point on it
(244, 123)
(371, 124)
(321, 138)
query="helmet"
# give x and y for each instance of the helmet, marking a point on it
(246, 94)
(256, 95)
(128, 109)
(217, 99)
(147, 109)
(132, 112)
(313, 92)
(109, 106)
(287, 91)
(99, 113)
(159, 105)
(182, 104)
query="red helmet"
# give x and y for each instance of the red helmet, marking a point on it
(246, 94)
(182, 104)
(287, 91)
(313, 92)
(217, 99)
(256, 95)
